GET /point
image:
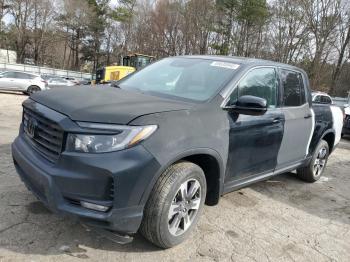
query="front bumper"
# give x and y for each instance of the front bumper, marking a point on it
(89, 177)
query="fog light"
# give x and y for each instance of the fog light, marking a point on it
(94, 206)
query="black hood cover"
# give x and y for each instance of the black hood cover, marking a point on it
(105, 104)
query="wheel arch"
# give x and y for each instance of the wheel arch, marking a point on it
(34, 85)
(211, 163)
(329, 137)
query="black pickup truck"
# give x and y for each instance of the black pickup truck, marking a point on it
(148, 153)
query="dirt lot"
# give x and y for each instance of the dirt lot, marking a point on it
(282, 219)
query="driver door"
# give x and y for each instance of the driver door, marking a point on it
(254, 141)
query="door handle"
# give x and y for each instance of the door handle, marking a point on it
(307, 116)
(276, 120)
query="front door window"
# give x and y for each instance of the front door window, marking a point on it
(260, 82)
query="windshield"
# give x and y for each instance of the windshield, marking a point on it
(181, 78)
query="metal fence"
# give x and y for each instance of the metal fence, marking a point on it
(340, 101)
(43, 70)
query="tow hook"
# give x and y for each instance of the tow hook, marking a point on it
(111, 235)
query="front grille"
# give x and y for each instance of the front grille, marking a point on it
(111, 190)
(47, 137)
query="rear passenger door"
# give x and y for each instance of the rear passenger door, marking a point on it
(299, 119)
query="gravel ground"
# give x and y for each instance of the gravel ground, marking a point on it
(282, 219)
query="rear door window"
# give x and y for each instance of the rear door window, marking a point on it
(20, 75)
(293, 88)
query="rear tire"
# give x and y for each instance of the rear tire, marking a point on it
(175, 205)
(33, 89)
(314, 170)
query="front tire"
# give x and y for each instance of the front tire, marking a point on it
(314, 170)
(175, 205)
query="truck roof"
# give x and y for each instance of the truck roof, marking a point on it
(244, 61)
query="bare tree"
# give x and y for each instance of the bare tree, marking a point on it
(288, 32)
(322, 18)
(85, 34)
(344, 39)
(75, 18)
(21, 10)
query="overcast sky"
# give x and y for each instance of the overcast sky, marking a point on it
(7, 18)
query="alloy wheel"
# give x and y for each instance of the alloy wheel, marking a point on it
(320, 162)
(184, 207)
(33, 89)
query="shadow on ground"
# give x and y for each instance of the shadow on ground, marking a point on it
(328, 198)
(321, 199)
(13, 92)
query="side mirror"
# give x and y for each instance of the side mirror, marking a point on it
(249, 105)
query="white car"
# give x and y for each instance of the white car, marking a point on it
(19, 81)
(73, 79)
(60, 82)
(321, 98)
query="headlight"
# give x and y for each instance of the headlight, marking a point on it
(124, 137)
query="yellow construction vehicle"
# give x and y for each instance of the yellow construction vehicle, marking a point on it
(130, 64)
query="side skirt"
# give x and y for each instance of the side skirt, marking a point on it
(235, 185)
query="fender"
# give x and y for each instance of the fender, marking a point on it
(197, 151)
(319, 138)
(329, 131)
(328, 119)
(338, 121)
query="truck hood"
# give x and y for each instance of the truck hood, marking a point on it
(105, 104)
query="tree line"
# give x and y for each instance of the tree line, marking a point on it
(87, 34)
